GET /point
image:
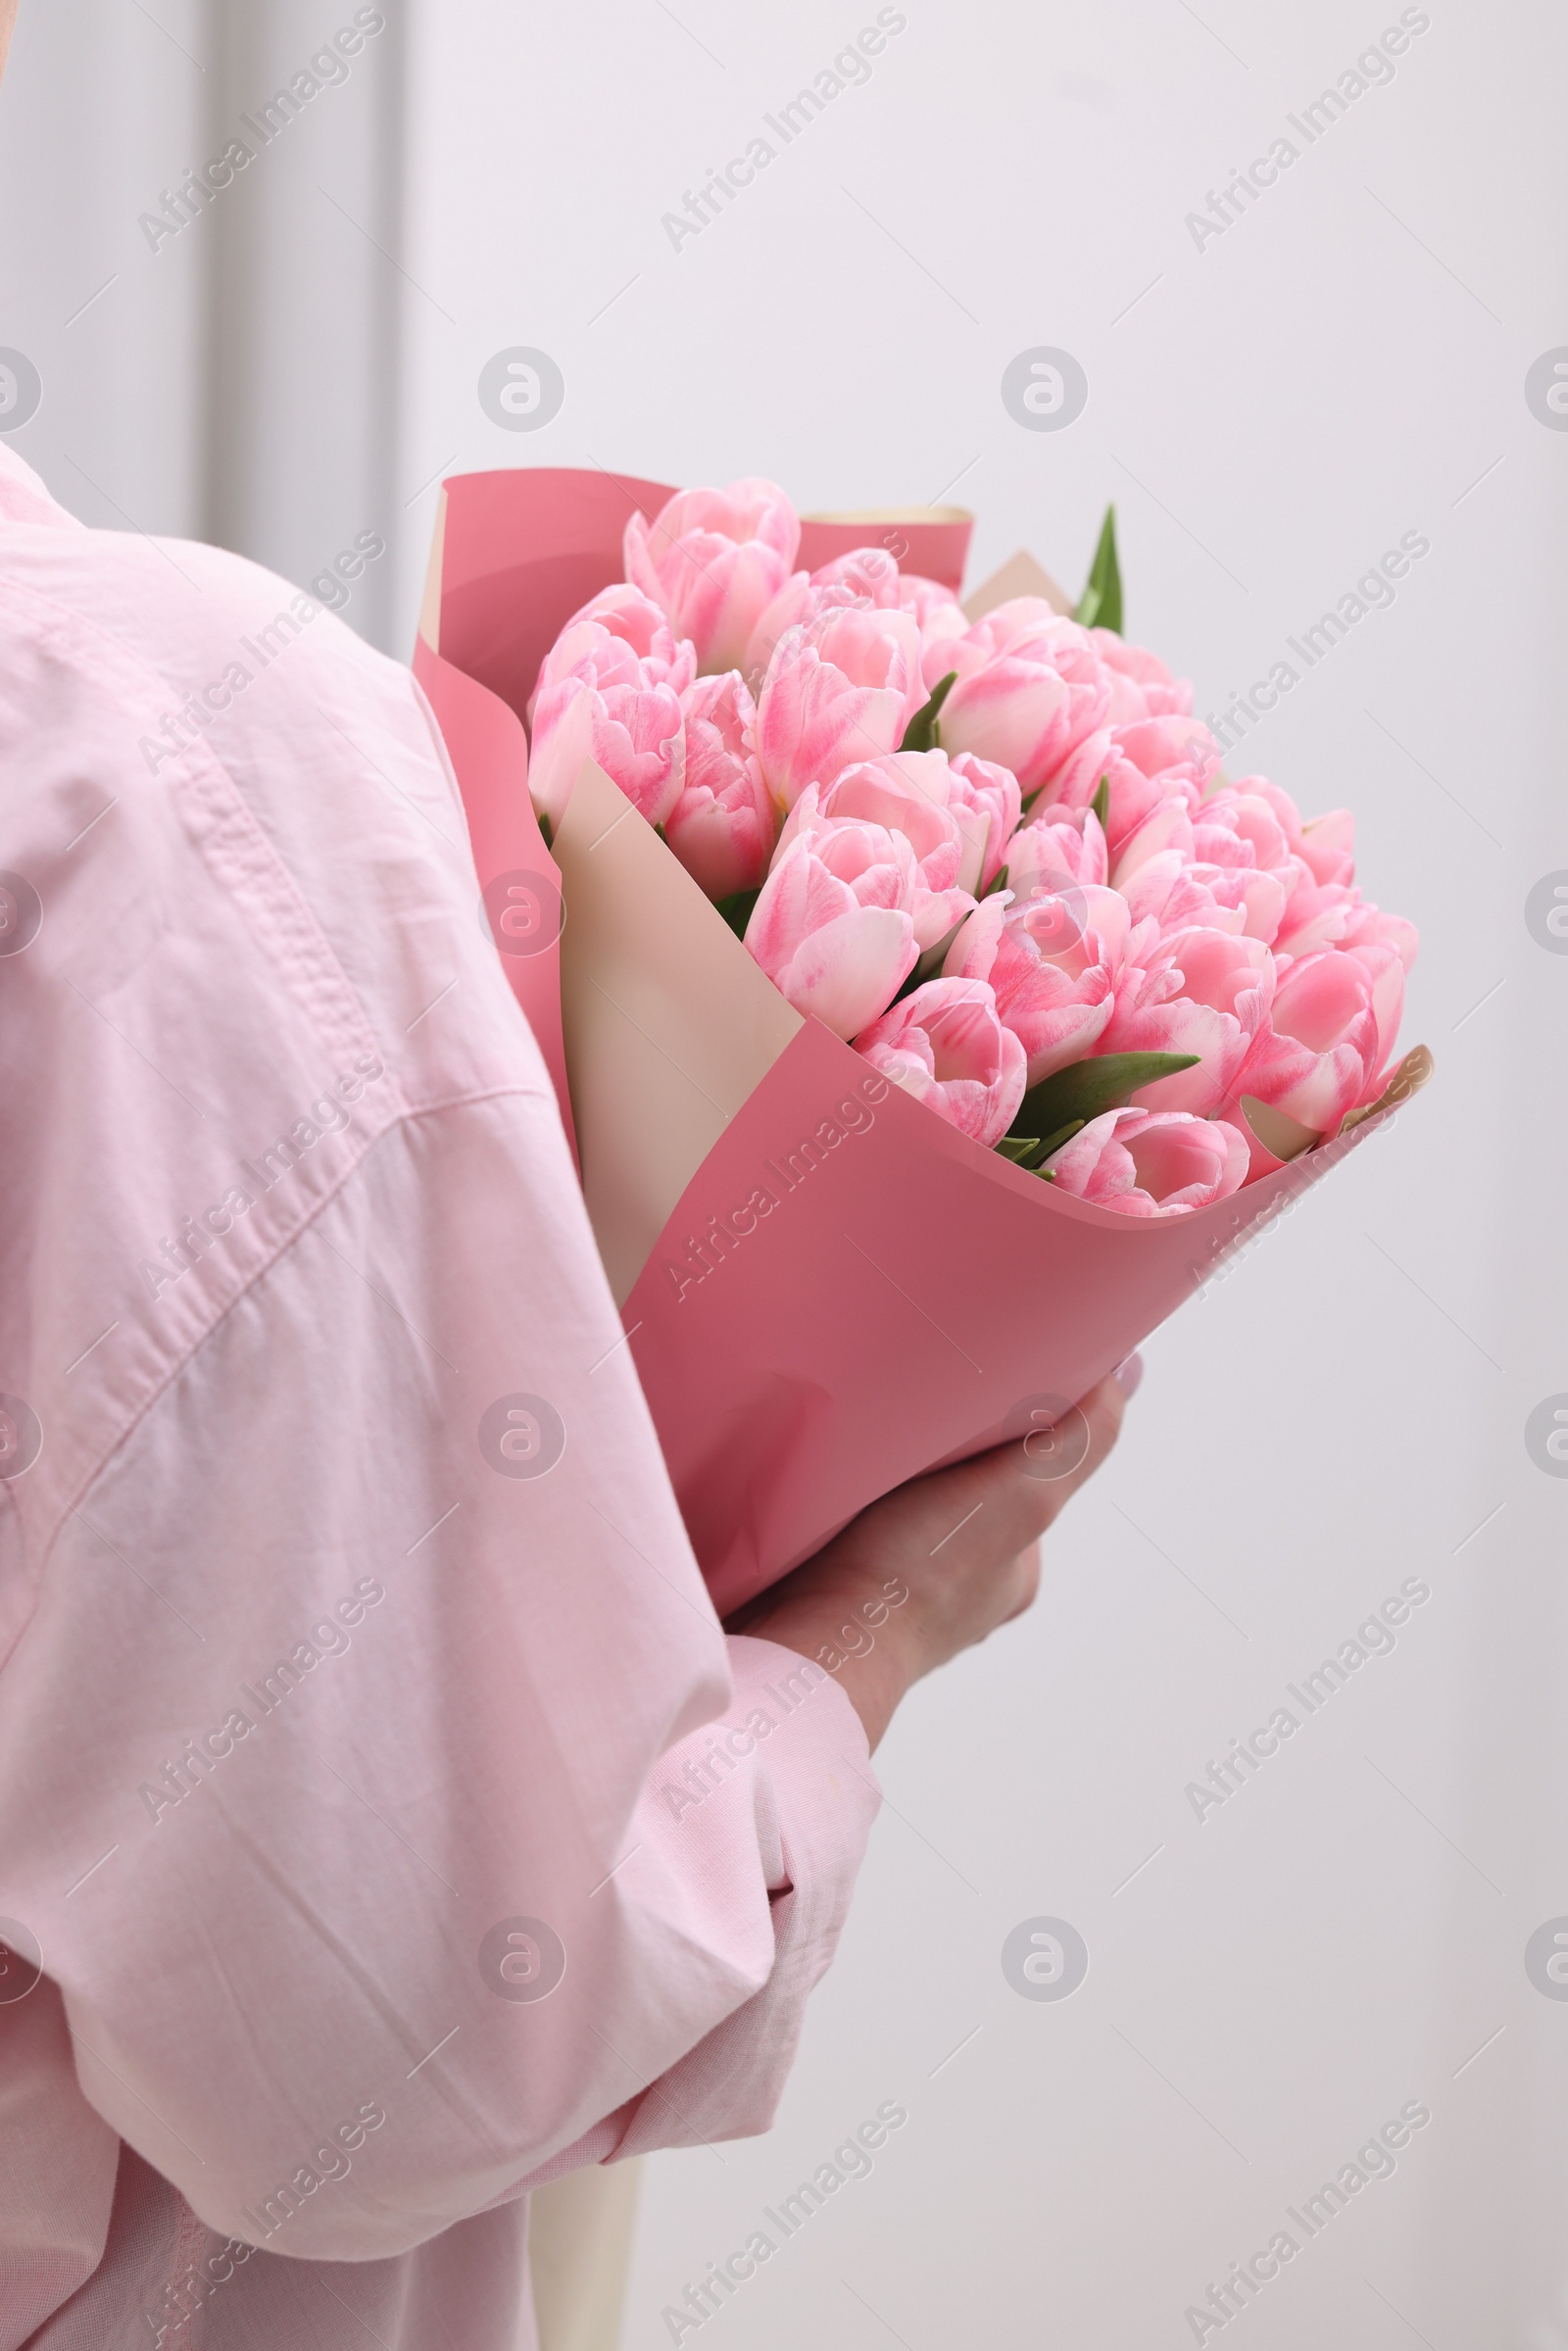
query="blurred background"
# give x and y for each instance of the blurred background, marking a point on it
(1280, 385)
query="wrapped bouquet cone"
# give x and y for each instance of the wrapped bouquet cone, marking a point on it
(827, 1289)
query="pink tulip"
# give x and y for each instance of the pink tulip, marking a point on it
(937, 611)
(721, 828)
(837, 691)
(665, 658)
(1369, 926)
(1064, 847)
(1158, 745)
(867, 577)
(905, 793)
(942, 622)
(1257, 900)
(1131, 794)
(714, 560)
(1051, 967)
(1141, 687)
(1168, 828)
(597, 699)
(1239, 831)
(1151, 1162)
(1217, 847)
(1236, 825)
(945, 1045)
(1385, 968)
(1178, 896)
(806, 597)
(1315, 914)
(1314, 1057)
(1335, 914)
(834, 926)
(1029, 694)
(1202, 991)
(793, 607)
(1022, 616)
(1326, 845)
(948, 643)
(988, 794)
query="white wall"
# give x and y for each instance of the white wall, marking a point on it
(1344, 365)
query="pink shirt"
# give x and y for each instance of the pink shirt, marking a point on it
(395, 1824)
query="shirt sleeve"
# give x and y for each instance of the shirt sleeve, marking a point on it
(376, 1779)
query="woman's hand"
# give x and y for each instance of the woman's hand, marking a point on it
(937, 1564)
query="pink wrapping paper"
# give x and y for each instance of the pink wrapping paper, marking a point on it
(932, 541)
(826, 1288)
(519, 880)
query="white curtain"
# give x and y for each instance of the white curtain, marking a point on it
(219, 361)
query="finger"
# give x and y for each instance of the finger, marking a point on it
(1028, 1484)
(1095, 1420)
(1026, 1570)
(996, 1504)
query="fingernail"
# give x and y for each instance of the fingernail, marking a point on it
(1127, 1375)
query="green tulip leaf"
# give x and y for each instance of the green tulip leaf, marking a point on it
(1085, 1090)
(999, 882)
(1101, 804)
(1030, 1151)
(737, 910)
(1100, 605)
(921, 733)
(545, 829)
(1054, 1143)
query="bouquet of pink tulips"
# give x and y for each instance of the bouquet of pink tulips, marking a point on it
(929, 1015)
(993, 855)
